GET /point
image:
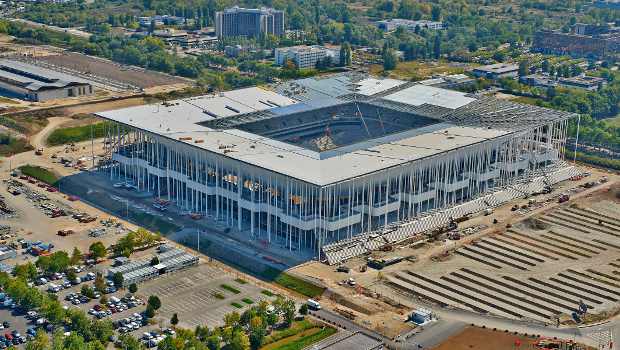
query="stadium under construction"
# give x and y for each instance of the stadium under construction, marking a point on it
(314, 162)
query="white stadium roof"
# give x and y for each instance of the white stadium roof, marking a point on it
(178, 120)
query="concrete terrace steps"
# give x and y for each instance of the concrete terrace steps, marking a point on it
(459, 296)
(512, 249)
(472, 291)
(475, 258)
(547, 291)
(596, 217)
(501, 239)
(562, 289)
(590, 223)
(540, 297)
(598, 214)
(502, 252)
(589, 244)
(576, 286)
(489, 255)
(536, 245)
(551, 244)
(448, 296)
(504, 292)
(580, 222)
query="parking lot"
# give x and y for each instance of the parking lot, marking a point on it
(197, 296)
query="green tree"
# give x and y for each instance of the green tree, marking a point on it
(40, 342)
(76, 256)
(174, 320)
(524, 68)
(150, 311)
(437, 46)
(88, 291)
(133, 288)
(436, 13)
(389, 58)
(71, 275)
(240, 341)
(154, 302)
(26, 271)
(154, 261)
(99, 283)
(303, 309)
(117, 278)
(97, 250)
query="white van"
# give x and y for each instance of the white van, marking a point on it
(313, 304)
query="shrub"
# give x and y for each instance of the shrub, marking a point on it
(39, 173)
(230, 289)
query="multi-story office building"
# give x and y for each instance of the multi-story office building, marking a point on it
(238, 21)
(306, 56)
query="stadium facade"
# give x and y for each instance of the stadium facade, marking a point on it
(320, 160)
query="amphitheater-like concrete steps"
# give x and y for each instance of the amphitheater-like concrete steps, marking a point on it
(477, 259)
(525, 239)
(508, 293)
(582, 222)
(570, 244)
(602, 274)
(513, 249)
(455, 297)
(551, 243)
(510, 288)
(558, 222)
(502, 253)
(607, 243)
(576, 240)
(562, 288)
(527, 248)
(595, 217)
(557, 294)
(471, 287)
(494, 305)
(577, 285)
(612, 219)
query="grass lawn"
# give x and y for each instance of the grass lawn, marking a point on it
(615, 121)
(293, 283)
(13, 145)
(248, 301)
(7, 101)
(39, 173)
(526, 100)
(237, 305)
(75, 134)
(219, 295)
(302, 339)
(417, 70)
(230, 289)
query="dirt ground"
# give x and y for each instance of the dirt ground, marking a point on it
(420, 254)
(486, 339)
